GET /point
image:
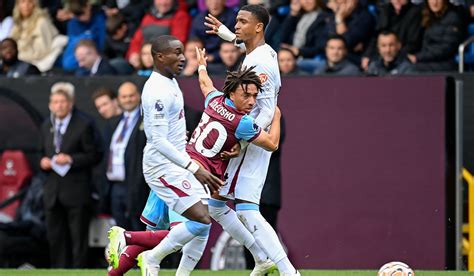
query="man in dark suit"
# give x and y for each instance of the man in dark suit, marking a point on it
(126, 141)
(69, 152)
(90, 61)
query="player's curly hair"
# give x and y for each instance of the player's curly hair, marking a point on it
(243, 77)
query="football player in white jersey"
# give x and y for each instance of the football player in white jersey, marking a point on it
(168, 169)
(247, 173)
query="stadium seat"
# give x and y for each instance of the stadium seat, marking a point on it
(15, 173)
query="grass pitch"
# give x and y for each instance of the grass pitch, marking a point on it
(101, 272)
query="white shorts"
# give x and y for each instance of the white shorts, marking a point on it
(179, 190)
(246, 175)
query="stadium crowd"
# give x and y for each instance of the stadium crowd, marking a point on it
(312, 37)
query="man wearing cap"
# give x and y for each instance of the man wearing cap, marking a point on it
(69, 153)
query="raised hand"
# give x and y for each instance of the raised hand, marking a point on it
(212, 23)
(201, 56)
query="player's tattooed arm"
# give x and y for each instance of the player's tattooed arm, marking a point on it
(205, 82)
(216, 27)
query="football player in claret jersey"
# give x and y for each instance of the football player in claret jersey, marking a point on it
(247, 172)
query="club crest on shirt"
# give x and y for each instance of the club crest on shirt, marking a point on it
(186, 184)
(263, 78)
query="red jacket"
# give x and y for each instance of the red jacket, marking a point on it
(177, 24)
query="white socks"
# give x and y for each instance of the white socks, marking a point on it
(229, 221)
(192, 252)
(177, 237)
(265, 235)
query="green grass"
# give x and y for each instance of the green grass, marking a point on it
(98, 272)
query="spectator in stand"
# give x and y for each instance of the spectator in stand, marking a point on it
(287, 63)
(392, 60)
(88, 23)
(231, 59)
(444, 31)
(117, 42)
(38, 40)
(353, 21)
(90, 61)
(69, 152)
(105, 100)
(124, 172)
(305, 30)
(337, 62)
(164, 17)
(10, 65)
(404, 19)
(132, 11)
(6, 20)
(190, 69)
(202, 5)
(212, 42)
(117, 39)
(146, 59)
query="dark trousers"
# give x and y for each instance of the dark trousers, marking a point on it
(68, 235)
(270, 213)
(120, 210)
(118, 204)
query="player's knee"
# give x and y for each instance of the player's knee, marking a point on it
(216, 207)
(242, 209)
(198, 228)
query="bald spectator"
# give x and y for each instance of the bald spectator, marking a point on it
(128, 192)
(90, 61)
(336, 59)
(10, 65)
(105, 100)
(226, 15)
(391, 60)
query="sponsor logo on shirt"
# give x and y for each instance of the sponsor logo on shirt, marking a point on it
(263, 78)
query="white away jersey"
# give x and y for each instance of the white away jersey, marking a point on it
(162, 104)
(266, 62)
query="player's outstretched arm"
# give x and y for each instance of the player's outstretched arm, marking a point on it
(270, 141)
(205, 82)
(216, 27)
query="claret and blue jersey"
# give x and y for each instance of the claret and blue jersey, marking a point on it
(220, 128)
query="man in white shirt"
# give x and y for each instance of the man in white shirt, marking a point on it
(247, 173)
(168, 169)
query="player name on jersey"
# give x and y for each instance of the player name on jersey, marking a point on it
(224, 112)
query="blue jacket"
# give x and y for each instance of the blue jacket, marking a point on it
(77, 30)
(211, 42)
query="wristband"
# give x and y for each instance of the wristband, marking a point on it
(224, 33)
(202, 67)
(192, 167)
